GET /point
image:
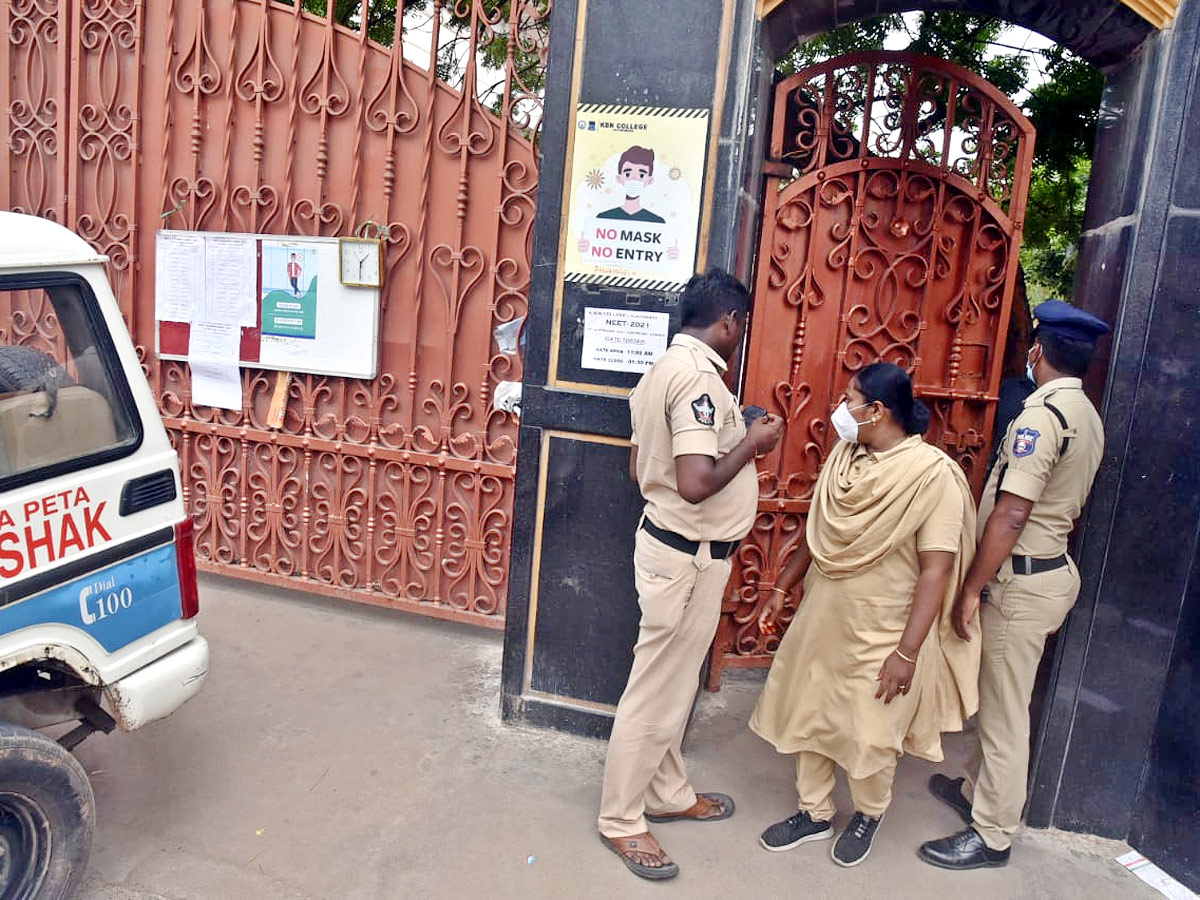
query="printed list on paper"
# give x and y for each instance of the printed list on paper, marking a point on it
(206, 278)
(178, 277)
(213, 351)
(230, 270)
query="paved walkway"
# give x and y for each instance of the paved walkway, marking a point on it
(344, 752)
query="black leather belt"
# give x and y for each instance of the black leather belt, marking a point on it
(718, 549)
(1027, 565)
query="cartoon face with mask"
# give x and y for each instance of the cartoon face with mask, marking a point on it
(633, 177)
(635, 173)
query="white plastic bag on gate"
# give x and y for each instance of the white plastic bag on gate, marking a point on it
(508, 334)
(507, 397)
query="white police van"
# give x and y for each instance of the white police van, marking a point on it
(97, 573)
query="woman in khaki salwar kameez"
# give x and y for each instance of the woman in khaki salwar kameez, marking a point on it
(871, 668)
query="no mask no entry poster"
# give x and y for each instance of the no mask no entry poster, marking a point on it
(636, 176)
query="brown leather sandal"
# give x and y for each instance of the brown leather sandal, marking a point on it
(707, 808)
(643, 846)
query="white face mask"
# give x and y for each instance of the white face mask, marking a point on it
(845, 424)
(1029, 368)
(633, 189)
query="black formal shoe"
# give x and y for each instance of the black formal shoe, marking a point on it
(949, 791)
(965, 850)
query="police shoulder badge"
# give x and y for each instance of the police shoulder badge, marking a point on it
(1025, 442)
(703, 410)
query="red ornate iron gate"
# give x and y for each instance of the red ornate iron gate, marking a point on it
(895, 192)
(124, 116)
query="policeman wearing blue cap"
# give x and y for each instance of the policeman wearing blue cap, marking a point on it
(1025, 578)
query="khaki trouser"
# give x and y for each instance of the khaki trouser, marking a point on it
(680, 597)
(1016, 620)
(814, 785)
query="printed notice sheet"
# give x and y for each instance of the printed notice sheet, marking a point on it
(206, 278)
(230, 273)
(178, 277)
(213, 358)
(623, 340)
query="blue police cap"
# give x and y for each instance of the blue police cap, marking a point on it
(1069, 321)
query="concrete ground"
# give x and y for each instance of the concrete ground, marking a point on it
(345, 752)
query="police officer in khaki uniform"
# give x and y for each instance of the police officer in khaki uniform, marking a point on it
(1027, 582)
(693, 459)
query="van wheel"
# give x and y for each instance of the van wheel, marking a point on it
(47, 816)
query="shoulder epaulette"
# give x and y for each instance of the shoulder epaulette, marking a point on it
(1062, 420)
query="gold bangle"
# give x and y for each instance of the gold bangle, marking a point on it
(778, 590)
(900, 653)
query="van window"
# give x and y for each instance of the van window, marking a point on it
(64, 400)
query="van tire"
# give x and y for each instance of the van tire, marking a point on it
(47, 817)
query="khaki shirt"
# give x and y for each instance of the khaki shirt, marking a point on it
(1033, 465)
(681, 407)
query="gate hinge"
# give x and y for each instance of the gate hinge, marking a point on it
(775, 169)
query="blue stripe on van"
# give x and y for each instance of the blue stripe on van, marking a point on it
(116, 605)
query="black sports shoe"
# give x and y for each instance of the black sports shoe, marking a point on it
(794, 831)
(949, 791)
(964, 850)
(855, 843)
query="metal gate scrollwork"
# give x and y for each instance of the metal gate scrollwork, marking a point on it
(125, 116)
(895, 192)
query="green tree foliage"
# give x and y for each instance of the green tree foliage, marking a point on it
(869, 34)
(1063, 109)
(960, 37)
(1053, 223)
(381, 14)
